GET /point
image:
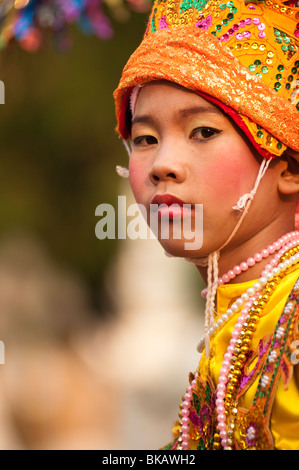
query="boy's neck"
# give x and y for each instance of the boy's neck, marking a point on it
(235, 255)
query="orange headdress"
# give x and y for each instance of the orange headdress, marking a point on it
(242, 55)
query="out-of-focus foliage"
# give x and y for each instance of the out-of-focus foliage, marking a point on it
(58, 145)
(29, 21)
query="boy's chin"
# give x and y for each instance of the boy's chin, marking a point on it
(181, 249)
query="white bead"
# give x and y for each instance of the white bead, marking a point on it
(263, 281)
(234, 308)
(245, 296)
(257, 286)
(281, 266)
(250, 291)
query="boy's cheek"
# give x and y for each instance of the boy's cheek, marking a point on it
(228, 180)
(138, 176)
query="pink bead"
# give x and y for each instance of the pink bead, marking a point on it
(238, 327)
(221, 387)
(185, 421)
(188, 397)
(227, 356)
(220, 395)
(271, 249)
(225, 278)
(185, 445)
(225, 364)
(222, 380)
(237, 270)
(268, 267)
(219, 402)
(224, 443)
(235, 334)
(231, 274)
(186, 405)
(224, 372)
(244, 266)
(204, 293)
(244, 312)
(185, 436)
(222, 426)
(185, 412)
(185, 429)
(221, 418)
(223, 434)
(221, 410)
(258, 257)
(265, 253)
(251, 261)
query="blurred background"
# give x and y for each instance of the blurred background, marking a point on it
(99, 335)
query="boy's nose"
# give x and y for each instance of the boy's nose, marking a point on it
(167, 167)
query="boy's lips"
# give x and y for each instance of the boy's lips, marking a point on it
(171, 206)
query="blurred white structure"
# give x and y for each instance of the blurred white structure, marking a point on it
(154, 343)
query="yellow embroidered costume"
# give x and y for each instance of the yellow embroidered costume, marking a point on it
(268, 408)
(243, 56)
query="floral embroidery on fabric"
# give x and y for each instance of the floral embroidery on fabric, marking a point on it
(273, 361)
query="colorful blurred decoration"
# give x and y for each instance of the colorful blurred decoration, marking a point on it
(30, 21)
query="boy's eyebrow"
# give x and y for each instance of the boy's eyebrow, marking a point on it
(199, 110)
(183, 113)
(144, 119)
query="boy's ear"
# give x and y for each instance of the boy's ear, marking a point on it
(289, 178)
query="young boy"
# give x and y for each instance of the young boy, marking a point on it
(210, 104)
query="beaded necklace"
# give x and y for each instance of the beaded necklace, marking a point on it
(289, 241)
(250, 305)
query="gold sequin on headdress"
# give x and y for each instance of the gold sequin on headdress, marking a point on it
(243, 54)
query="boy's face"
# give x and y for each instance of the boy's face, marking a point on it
(184, 146)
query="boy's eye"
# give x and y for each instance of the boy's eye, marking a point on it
(204, 133)
(145, 140)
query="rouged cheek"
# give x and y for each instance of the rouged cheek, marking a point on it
(138, 176)
(226, 183)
